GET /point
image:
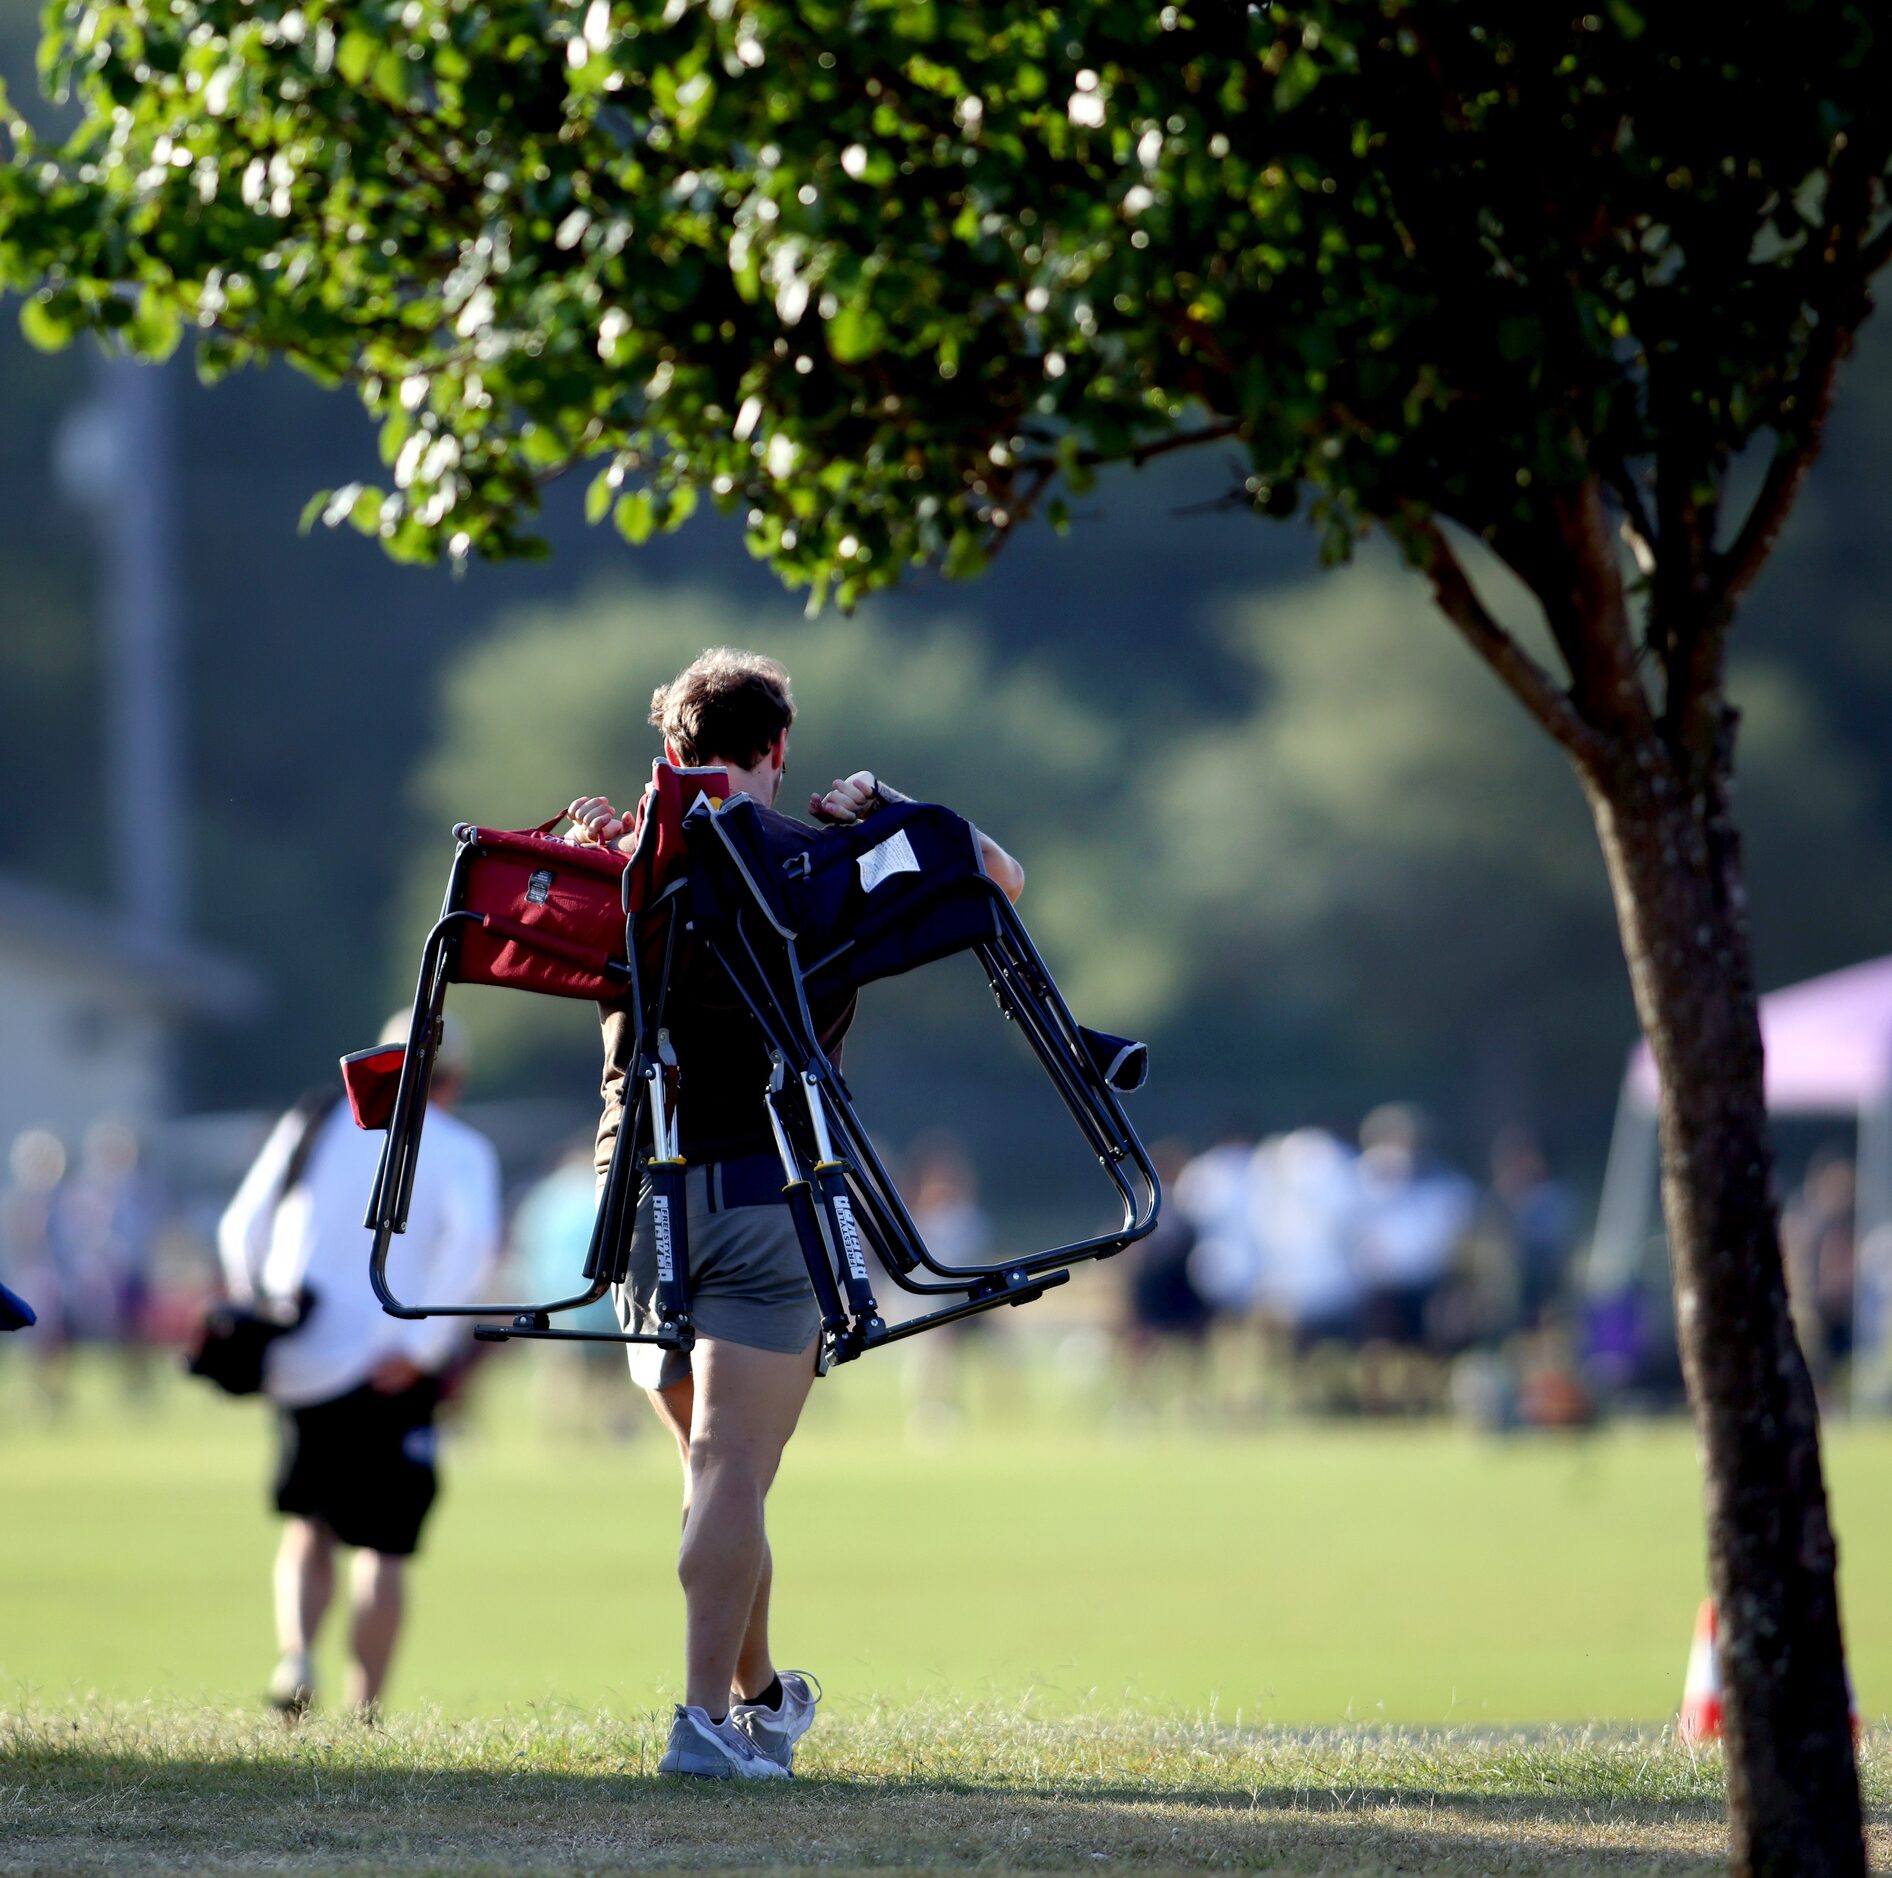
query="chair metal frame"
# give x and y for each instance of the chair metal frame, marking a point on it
(647, 930)
(825, 1147)
(843, 1201)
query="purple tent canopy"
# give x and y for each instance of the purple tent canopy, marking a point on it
(1828, 1043)
(1829, 1052)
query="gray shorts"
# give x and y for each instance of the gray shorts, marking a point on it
(748, 1281)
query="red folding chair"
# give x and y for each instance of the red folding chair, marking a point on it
(536, 914)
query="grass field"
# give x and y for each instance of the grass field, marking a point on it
(1042, 1558)
(913, 1789)
(1048, 1638)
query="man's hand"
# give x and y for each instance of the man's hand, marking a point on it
(851, 799)
(595, 823)
(393, 1375)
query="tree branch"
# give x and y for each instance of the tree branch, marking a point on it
(1020, 508)
(1431, 553)
(1035, 474)
(1565, 554)
(1680, 625)
(1852, 261)
(1163, 446)
(1876, 252)
(1734, 569)
(1623, 487)
(1696, 588)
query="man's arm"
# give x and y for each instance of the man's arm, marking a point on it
(243, 1231)
(855, 797)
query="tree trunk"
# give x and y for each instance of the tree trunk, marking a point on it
(1674, 867)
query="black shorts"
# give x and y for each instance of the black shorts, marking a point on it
(1397, 1314)
(363, 1464)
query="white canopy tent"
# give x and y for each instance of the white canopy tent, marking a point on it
(1828, 1046)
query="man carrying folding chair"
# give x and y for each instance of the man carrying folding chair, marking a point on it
(732, 1401)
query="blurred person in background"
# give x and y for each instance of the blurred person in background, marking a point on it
(1537, 1214)
(1412, 1213)
(943, 1196)
(1212, 1194)
(944, 1202)
(1303, 1193)
(32, 1253)
(576, 1386)
(1817, 1242)
(1162, 1309)
(110, 1212)
(357, 1389)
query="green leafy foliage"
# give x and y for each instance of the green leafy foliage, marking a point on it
(876, 274)
(900, 276)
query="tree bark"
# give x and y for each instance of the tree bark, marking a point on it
(1674, 867)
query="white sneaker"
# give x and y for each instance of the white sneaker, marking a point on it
(292, 1687)
(714, 1750)
(774, 1731)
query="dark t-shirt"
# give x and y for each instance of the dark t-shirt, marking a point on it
(722, 1055)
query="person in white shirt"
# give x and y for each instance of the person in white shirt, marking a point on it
(1303, 1197)
(1212, 1194)
(1413, 1213)
(356, 1388)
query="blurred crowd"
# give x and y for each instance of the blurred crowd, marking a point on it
(1375, 1276)
(79, 1236)
(1366, 1269)
(1366, 1275)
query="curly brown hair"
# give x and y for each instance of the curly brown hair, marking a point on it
(725, 703)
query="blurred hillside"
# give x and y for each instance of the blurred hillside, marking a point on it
(1277, 817)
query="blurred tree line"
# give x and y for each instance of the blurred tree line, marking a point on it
(1289, 829)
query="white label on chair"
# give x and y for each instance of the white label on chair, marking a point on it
(850, 1236)
(660, 1219)
(893, 856)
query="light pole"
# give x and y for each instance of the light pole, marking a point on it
(116, 458)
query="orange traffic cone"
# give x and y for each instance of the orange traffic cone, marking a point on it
(1701, 1688)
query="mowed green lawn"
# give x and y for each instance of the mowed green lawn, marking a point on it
(1043, 1557)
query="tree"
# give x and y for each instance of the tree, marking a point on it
(887, 276)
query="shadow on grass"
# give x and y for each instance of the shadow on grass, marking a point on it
(1323, 1797)
(88, 1808)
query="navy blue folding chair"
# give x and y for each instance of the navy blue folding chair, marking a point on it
(800, 918)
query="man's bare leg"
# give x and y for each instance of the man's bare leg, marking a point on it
(755, 1668)
(742, 1406)
(304, 1583)
(674, 1407)
(379, 1587)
